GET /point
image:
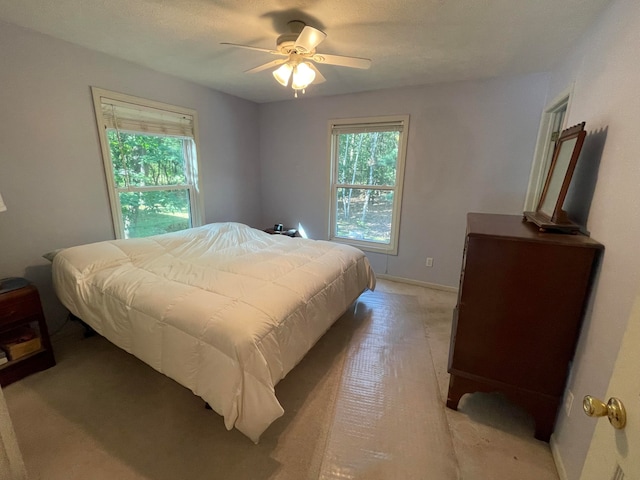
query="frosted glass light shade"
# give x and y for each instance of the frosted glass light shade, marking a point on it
(283, 74)
(303, 75)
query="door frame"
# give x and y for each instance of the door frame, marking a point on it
(539, 166)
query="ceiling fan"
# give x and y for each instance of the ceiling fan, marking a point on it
(299, 51)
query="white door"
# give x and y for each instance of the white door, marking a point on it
(615, 454)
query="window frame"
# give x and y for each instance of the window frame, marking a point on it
(195, 188)
(545, 146)
(374, 122)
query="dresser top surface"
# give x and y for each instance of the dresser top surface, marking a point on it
(515, 227)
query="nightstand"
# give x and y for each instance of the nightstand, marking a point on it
(20, 312)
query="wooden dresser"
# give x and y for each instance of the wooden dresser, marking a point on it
(520, 306)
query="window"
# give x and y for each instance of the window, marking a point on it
(151, 164)
(551, 125)
(367, 170)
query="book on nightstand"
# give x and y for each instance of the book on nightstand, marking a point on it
(3, 357)
(20, 342)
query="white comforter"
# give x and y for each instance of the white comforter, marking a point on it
(223, 309)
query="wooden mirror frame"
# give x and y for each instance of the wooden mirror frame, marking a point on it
(549, 214)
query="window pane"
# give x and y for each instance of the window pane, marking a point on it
(154, 212)
(368, 158)
(364, 214)
(145, 160)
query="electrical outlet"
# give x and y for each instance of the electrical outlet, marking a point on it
(568, 402)
(429, 262)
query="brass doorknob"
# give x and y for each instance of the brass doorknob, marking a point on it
(613, 409)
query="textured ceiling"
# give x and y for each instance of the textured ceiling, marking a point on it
(411, 42)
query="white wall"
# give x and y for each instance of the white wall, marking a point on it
(51, 173)
(606, 70)
(470, 148)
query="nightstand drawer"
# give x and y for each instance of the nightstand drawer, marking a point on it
(18, 311)
(19, 305)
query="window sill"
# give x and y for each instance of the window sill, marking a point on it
(368, 246)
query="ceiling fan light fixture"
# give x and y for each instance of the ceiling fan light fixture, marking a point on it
(303, 76)
(283, 74)
(298, 47)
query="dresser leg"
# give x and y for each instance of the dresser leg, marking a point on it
(457, 388)
(545, 419)
(542, 409)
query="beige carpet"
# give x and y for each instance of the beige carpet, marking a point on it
(364, 403)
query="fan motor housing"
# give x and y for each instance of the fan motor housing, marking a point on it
(286, 43)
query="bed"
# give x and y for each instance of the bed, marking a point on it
(223, 309)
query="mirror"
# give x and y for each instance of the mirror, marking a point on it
(549, 215)
(556, 180)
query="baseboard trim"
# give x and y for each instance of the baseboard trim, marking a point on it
(434, 286)
(557, 458)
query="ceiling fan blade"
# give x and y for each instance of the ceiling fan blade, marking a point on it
(319, 77)
(353, 62)
(266, 66)
(249, 47)
(309, 39)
